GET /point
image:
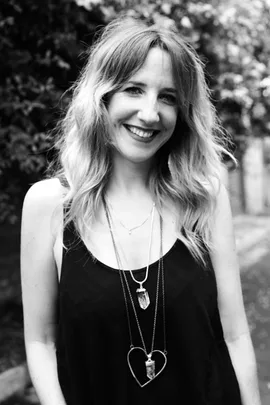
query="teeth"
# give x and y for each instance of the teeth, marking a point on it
(139, 132)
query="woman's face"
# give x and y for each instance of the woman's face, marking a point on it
(144, 111)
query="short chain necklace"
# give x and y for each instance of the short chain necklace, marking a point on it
(142, 293)
(130, 230)
(151, 372)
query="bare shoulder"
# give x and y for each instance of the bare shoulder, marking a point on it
(223, 212)
(42, 204)
(45, 193)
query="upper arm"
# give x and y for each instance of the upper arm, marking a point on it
(41, 209)
(225, 263)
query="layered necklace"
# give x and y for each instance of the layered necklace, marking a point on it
(130, 230)
(154, 355)
(142, 293)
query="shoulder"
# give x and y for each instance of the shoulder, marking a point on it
(219, 193)
(223, 205)
(223, 248)
(223, 252)
(45, 193)
(43, 203)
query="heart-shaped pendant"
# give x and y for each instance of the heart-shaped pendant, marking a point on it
(145, 368)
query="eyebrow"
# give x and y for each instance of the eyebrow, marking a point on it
(167, 89)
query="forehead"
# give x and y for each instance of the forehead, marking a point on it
(156, 70)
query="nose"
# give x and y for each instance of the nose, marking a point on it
(149, 112)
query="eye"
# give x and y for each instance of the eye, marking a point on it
(169, 99)
(133, 90)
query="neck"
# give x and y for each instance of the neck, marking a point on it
(129, 180)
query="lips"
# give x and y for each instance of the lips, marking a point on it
(144, 133)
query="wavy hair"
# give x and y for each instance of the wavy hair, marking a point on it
(187, 168)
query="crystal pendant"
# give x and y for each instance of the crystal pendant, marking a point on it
(143, 297)
(150, 368)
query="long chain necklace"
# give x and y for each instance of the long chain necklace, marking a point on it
(130, 230)
(142, 293)
(151, 372)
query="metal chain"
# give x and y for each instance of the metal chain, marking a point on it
(123, 275)
(123, 225)
(129, 292)
(155, 313)
(163, 301)
(152, 213)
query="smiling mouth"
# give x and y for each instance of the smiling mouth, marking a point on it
(142, 133)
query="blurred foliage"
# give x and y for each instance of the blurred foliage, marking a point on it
(41, 55)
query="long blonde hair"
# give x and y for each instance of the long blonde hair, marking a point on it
(187, 168)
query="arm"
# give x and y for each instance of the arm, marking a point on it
(39, 287)
(230, 302)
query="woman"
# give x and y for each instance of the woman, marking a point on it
(131, 287)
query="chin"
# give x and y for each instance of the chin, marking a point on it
(134, 158)
(140, 159)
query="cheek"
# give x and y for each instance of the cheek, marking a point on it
(171, 120)
(118, 114)
(118, 108)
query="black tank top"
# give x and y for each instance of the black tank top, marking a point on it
(93, 337)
